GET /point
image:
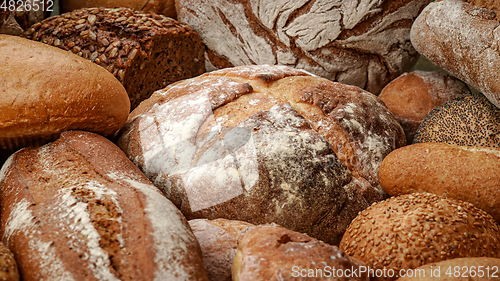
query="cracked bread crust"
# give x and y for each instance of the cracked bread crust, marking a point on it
(364, 43)
(265, 144)
(79, 209)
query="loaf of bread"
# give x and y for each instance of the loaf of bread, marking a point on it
(361, 43)
(411, 96)
(265, 144)
(271, 252)
(461, 37)
(146, 52)
(8, 265)
(18, 16)
(218, 241)
(461, 269)
(411, 230)
(45, 90)
(161, 7)
(78, 209)
(470, 174)
(470, 120)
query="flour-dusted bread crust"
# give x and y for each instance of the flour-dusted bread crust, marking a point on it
(271, 252)
(145, 51)
(24, 16)
(45, 90)
(265, 144)
(363, 43)
(78, 209)
(462, 39)
(161, 7)
(218, 241)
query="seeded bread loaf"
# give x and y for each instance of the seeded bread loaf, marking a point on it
(362, 43)
(218, 241)
(273, 253)
(265, 144)
(146, 52)
(161, 7)
(411, 96)
(462, 38)
(16, 18)
(78, 209)
(412, 230)
(8, 265)
(45, 91)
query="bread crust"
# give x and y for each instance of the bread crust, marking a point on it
(78, 209)
(462, 39)
(162, 7)
(16, 22)
(465, 173)
(46, 90)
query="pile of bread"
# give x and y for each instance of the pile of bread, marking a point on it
(249, 140)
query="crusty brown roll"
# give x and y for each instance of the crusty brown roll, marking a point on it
(45, 90)
(361, 43)
(218, 241)
(408, 231)
(461, 269)
(146, 52)
(470, 120)
(265, 144)
(78, 209)
(470, 174)
(274, 253)
(411, 96)
(462, 38)
(16, 18)
(161, 7)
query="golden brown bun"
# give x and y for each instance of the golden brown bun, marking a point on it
(8, 265)
(470, 174)
(78, 209)
(45, 90)
(162, 7)
(218, 241)
(408, 231)
(411, 96)
(273, 253)
(461, 269)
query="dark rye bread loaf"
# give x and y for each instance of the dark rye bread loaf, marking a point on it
(362, 43)
(162, 7)
(146, 52)
(265, 144)
(78, 209)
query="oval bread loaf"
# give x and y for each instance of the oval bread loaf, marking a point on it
(46, 90)
(265, 144)
(470, 174)
(78, 209)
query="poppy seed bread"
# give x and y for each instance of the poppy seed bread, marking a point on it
(411, 230)
(144, 51)
(471, 120)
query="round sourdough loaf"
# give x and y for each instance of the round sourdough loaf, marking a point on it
(45, 90)
(18, 16)
(265, 144)
(470, 120)
(411, 96)
(161, 7)
(411, 230)
(218, 241)
(466, 173)
(146, 52)
(462, 37)
(271, 252)
(461, 269)
(78, 209)
(363, 43)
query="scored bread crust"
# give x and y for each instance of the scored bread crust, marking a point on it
(265, 144)
(46, 91)
(78, 209)
(462, 39)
